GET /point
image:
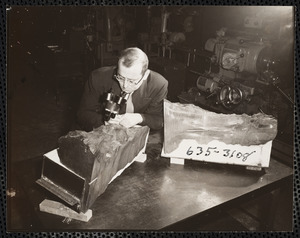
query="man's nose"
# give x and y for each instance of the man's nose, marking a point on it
(125, 83)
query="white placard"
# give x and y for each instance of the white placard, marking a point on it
(219, 152)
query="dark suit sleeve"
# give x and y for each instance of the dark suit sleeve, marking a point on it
(153, 116)
(89, 114)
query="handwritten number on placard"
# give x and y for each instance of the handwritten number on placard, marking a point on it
(239, 155)
(189, 151)
(200, 150)
(208, 150)
(232, 154)
(246, 155)
(227, 152)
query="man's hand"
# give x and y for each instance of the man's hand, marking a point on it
(115, 120)
(131, 119)
(127, 119)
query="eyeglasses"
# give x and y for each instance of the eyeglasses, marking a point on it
(121, 79)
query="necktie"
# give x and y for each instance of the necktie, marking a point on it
(129, 105)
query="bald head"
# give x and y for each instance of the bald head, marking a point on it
(134, 56)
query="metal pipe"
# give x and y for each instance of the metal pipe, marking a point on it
(108, 25)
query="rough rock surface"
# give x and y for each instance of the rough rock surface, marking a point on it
(187, 121)
(98, 155)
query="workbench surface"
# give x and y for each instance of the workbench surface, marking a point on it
(155, 194)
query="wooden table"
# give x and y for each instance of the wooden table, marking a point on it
(158, 195)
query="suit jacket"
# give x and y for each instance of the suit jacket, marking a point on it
(147, 99)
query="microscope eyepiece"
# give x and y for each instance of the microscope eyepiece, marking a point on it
(113, 104)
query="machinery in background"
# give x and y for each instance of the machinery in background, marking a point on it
(244, 64)
(114, 27)
(165, 43)
(241, 75)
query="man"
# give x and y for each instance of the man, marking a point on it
(145, 90)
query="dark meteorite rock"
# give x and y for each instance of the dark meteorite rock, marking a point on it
(98, 155)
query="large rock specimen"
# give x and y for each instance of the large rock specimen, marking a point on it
(187, 122)
(98, 155)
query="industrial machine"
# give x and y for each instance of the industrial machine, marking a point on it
(242, 61)
(241, 73)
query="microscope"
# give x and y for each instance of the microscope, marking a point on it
(114, 104)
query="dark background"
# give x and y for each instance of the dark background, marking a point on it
(44, 84)
(52, 50)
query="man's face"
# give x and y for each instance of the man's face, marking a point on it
(129, 78)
